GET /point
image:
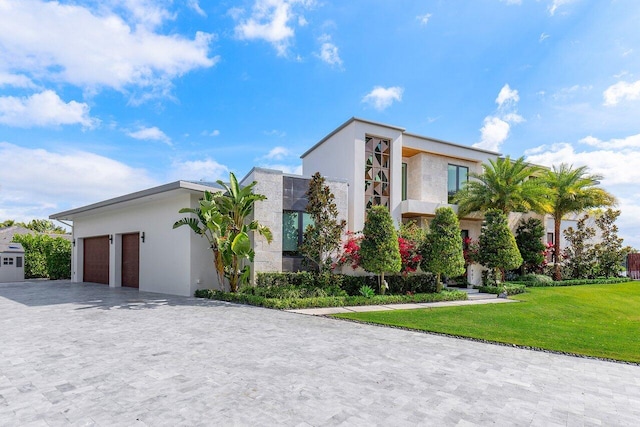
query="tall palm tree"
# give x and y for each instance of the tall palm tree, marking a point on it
(572, 190)
(506, 185)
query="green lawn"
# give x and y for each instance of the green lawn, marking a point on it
(594, 320)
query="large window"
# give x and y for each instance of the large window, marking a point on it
(377, 171)
(293, 225)
(457, 176)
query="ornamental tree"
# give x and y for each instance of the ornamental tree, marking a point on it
(322, 238)
(498, 249)
(379, 249)
(610, 252)
(410, 240)
(580, 255)
(442, 249)
(529, 235)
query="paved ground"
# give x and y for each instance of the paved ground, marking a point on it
(87, 355)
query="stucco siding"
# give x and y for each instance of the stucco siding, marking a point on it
(165, 254)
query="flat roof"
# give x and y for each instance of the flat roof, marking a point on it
(401, 129)
(177, 185)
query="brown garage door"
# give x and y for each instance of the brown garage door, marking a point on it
(96, 260)
(131, 260)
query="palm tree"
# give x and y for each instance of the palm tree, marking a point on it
(222, 218)
(506, 185)
(572, 190)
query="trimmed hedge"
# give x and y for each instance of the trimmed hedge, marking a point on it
(512, 289)
(310, 282)
(320, 302)
(576, 282)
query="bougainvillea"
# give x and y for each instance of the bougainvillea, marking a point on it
(409, 255)
(350, 251)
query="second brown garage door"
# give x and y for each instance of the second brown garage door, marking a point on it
(131, 260)
(96, 260)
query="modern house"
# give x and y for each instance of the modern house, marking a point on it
(11, 262)
(129, 240)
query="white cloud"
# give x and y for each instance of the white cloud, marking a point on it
(496, 128)
(621, 91)
(278, 153)
(195, 6)
(150, 134)
(275, 132)
(381, 98)
(291, 169)
(214, 132)
(507, 96)
(543, 37)
(198, 170)
(42, 39)
(43, 109)
(555, 4)
(15, 80)
(329, 51)
(424, 19)
(493, 133)
(632, 141)
(61, 180)
(270, 21)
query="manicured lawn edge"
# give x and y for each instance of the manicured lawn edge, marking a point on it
(323, 302)
(573, 282)
(497, 290)
(463, 337)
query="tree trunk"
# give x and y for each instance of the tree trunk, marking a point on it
(383, 289)
(557, 273)
(438, 283)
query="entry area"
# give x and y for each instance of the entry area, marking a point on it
(130, 273)
(96, 260)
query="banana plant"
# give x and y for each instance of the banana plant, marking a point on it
(222, 219)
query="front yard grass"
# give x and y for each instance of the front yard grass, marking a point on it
(597, 320)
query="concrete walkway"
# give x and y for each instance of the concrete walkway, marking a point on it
(81, 355)
(475, 298)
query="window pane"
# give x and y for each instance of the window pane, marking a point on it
(19, 262)
(306, 220)
(290, 231)
(404, 181)
(463, 176)
(451, 180)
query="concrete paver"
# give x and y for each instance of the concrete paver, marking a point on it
(73, 354)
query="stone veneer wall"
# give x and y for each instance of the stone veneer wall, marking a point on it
(268, 212)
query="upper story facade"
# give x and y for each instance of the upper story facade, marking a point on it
(385, 165)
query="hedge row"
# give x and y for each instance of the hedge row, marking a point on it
(320, 302)
(573, 282)
(328, 283)
(512, 289)
(45, 256)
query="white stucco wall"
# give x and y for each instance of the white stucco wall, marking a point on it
(11, 272)
(342, 156)
(171, 261)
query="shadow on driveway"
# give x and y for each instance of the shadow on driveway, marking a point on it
(93, 296)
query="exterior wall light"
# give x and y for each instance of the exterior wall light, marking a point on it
(142, 237)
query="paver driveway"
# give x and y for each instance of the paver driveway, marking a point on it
(86, 354)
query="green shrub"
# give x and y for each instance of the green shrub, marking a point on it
(576, 282)
(45, 256)
(367, 291)
(511, 289)
(329, 301)
(536, 280)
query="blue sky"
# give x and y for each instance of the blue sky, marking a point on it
(101, 98)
